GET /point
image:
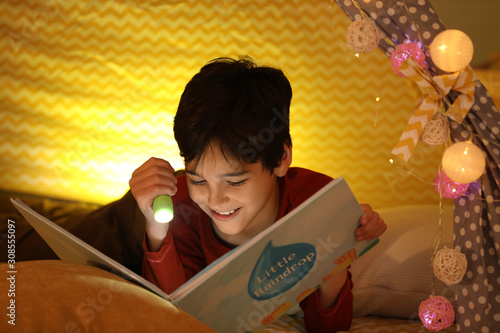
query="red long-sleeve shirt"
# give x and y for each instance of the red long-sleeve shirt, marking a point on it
(191, 245)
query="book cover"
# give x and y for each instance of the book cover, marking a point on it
(257, 282)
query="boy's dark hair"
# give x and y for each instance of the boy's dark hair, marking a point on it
(242, 107)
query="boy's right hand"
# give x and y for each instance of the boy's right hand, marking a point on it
(155, 177)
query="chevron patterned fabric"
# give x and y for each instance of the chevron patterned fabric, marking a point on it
(88, 91)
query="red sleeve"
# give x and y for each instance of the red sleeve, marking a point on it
(338, 318)
(163, 268)
(180, 257)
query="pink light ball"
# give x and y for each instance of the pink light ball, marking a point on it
(448, 188)
(436, 313)
(405, 51)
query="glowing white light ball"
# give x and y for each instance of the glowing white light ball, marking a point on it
(463, 162)
(451, 50)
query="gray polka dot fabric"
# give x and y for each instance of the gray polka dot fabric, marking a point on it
(477, 214)
(477, 223)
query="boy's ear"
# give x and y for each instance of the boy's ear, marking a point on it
(285, 162)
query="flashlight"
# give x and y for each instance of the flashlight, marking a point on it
(163, 209)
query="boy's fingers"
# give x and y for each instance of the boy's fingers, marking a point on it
(375, 228)
(368, 215)
(151, 167)
(154, 177)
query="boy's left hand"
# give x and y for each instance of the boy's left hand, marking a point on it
(372, 225)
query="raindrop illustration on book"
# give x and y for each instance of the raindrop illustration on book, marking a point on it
(279, 268)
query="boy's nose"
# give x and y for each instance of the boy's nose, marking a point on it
(216, 197)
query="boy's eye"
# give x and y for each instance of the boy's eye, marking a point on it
(196, 182)
(241, 182)
(203, 182)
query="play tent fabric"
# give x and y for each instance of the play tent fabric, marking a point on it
(477, 215)
(477, 220)
(88, 91)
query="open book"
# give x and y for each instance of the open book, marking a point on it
(257, 282)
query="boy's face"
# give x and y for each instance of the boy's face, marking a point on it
(240, 199)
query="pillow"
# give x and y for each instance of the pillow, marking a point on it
(396, 275)
(59, 296)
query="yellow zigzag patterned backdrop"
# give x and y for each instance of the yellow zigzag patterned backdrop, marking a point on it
(88, 90)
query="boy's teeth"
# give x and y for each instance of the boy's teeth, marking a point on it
(225, 213)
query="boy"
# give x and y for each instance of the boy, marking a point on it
(232, 130)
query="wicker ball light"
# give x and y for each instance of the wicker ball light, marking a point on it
(362, 35)
(436, 313)
(449, 266)
(436, 131)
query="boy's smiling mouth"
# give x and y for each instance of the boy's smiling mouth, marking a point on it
(225, 215)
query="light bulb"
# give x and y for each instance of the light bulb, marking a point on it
(463, 162)
(451, 50)
(405, 51)
(447, 188)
